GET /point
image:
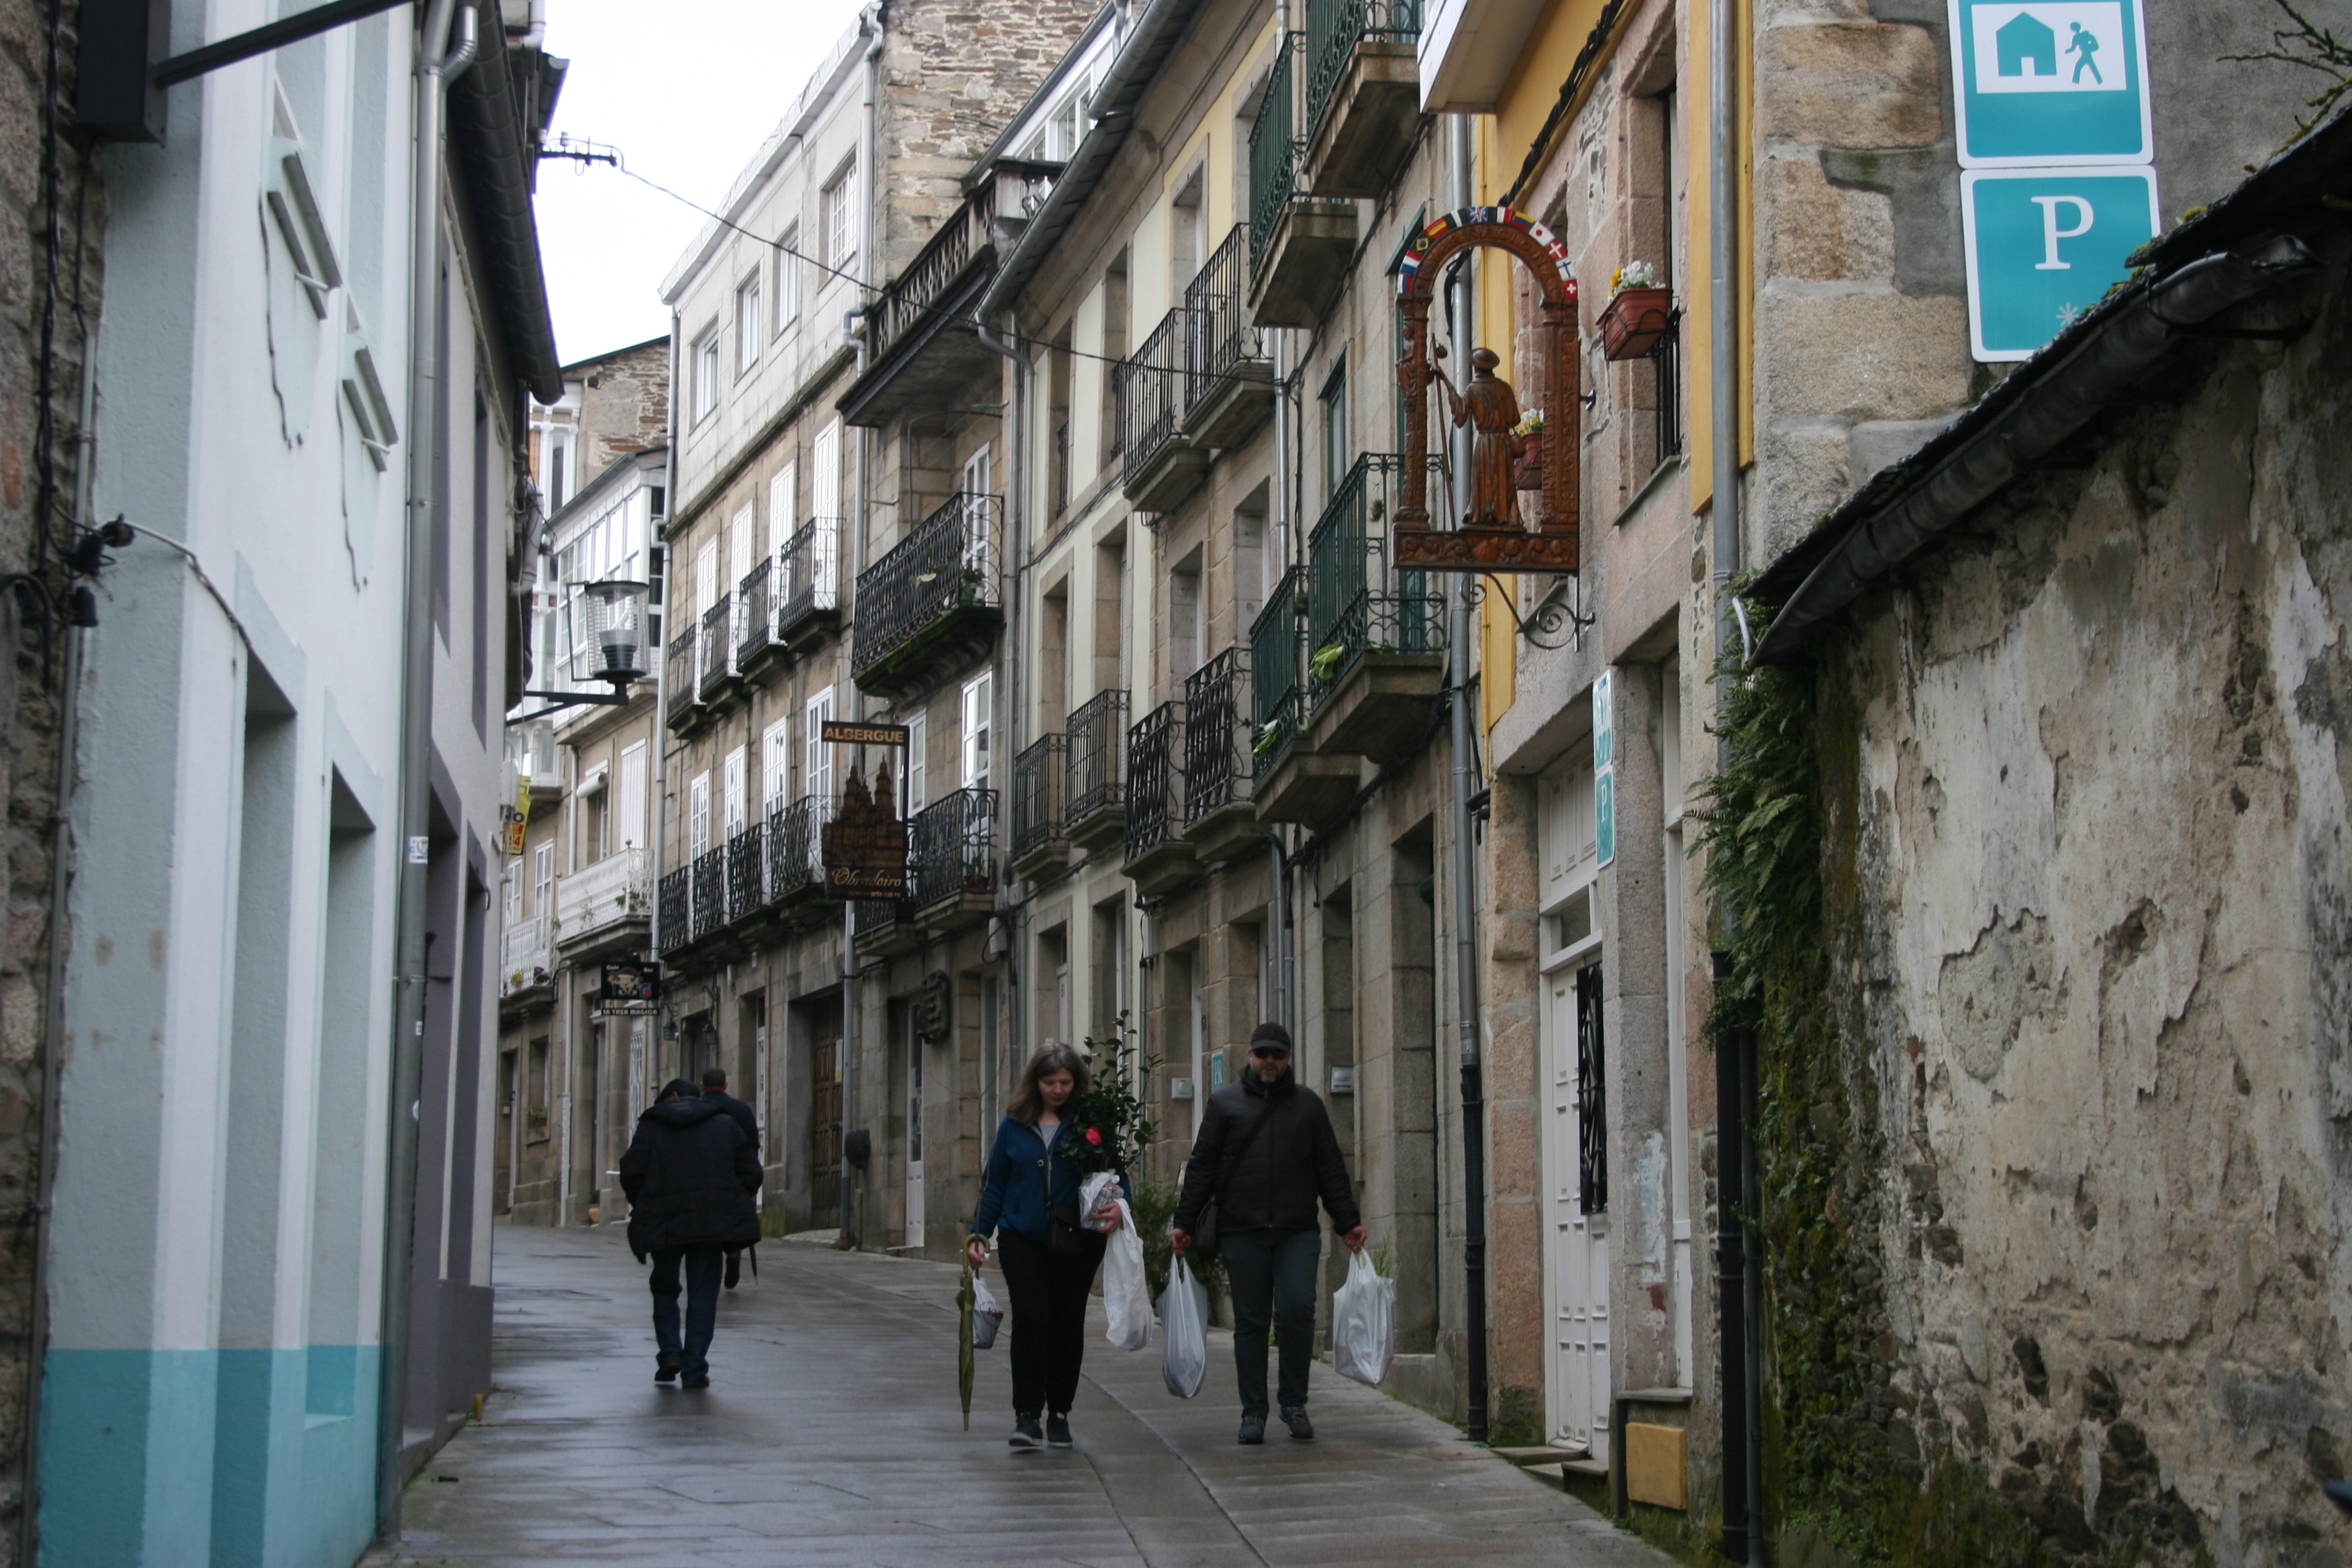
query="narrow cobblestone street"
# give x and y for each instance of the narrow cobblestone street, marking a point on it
(831, 1435)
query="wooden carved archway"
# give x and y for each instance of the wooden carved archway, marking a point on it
(1471, 544)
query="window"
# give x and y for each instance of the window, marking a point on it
(697, 815)
(1334, 430)
(542, 879)
(787, 279)
(739, 540)
(739, 759)
(706, 577)
(919, 763)
(633, 797)
(816, 766)
(706, 373)
(558, 470)
(514, 893)
(776, 762)
(978, 475)
(825, 483)
(780, 504)
(840, 206)
(978, 704)
(747, 324)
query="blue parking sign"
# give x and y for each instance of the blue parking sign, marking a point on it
(2047, 82)
(2045, 246)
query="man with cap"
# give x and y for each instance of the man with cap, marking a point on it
(1266, 1155)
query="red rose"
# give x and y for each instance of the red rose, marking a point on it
(1094, 1136)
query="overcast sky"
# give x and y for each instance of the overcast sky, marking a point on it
(687, 90)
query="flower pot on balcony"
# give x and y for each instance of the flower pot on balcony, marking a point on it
(1634, 320)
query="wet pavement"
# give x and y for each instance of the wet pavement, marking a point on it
(831, 1434)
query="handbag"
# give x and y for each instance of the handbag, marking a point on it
(1204, 1229)
(1065, 1237)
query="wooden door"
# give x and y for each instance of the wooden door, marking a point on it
(824, 1112)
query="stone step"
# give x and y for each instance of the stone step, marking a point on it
(1540, 1454)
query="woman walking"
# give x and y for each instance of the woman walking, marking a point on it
(1029, 1199)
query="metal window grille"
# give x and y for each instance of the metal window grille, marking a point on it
(1591, 1096)
(1667, 360)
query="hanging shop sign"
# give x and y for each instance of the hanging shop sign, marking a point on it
(514, 816)
(1489, 528)
(631, 984)
(865, 845)
(842, 732)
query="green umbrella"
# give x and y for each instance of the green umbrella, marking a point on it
(963, 1344)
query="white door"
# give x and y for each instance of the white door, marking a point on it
(914, 1134)
(1577, 1290)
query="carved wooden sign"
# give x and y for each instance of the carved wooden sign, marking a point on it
(866, 843)
(1490, 535)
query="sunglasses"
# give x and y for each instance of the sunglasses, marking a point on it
(1276, 1052)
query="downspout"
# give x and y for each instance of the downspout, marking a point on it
(657, 608)
(1016, 517)
(435, 71)
(1466, 939)
(1736, 1268)
(1286, 925)
(869, 22)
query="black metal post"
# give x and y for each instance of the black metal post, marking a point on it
(1731, 1273)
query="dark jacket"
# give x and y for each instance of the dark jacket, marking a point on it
(1294, 1160)
(745, 1117)
(1022, 1171)
(690, 1176)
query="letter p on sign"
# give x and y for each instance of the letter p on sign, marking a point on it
(2051, 234)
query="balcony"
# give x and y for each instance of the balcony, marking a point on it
(1378, 663)
(1363, 93)
(933, 604)
(747, 874)
(716, 641)
(1219, 772)
(1041, 850)
(1158, 857)
(1300, 244)
(808, 585)
(710, 891)
(1295, 783)
(531, 748)
(604, 906)
(523, 964)
(756, 644)
(951, 861)
(682, 679)
(1228, 374)
(1161, 466)
(884, 928)
(795, 843)
(1096, 792)
(674, 904)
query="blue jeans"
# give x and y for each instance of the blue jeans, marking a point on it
(703, 1265)
(1271, 1274)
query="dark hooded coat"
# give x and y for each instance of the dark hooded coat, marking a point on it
(692, 1179)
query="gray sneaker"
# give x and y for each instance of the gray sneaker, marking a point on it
(1252, 1430)
(1026, 1435)
(1295, 1418)
(1057, 1430)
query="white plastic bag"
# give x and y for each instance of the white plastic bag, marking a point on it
(1363, 1323)
(987, 1317)
(1184, 1325)
(1126, 1302)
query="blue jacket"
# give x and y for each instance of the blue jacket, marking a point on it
(1021, 1169)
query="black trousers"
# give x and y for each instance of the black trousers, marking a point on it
(1049, 1317)
(1271, 1274)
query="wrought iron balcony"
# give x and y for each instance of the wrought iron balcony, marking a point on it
(909, 303)
(884, 926)
(1359, 613)
(1228, 374)
(1096, 790)
(933, 604)
(755, 630)
(1300, 243)
(605, 899)
(676, 908)
(1158, 468)
(709, 891)
(1363, 93)
(1279, 671)
(1274, 148)
(796, 849)
(1155, 779)
(747, 869)
(1040, 778)
(523, 959)
(684, 676)
(717, 643)
(952, 853)
(1217, 766)
(808, 583)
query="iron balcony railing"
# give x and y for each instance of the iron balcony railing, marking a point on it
(1334, 28)
(606, 894)
(1275, 147)
(709, 891)
(1353, 608)
(685, 674)
(1096, 778)
(1219, 332)
(796, 846)
(952, 848)
(717, 643)
(757, 622)
(746, 871)
(1148, 389)
(1217, 767)
(1040, 779)
(872, 917)
(808, 568)
(1155, 778)
(675, 902)
(1666, 356)
(909, 300)
(1278, 671)
(947, 562)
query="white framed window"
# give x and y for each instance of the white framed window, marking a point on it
(787, 279)
(747, 324)
(979, 473)
(816, 762)
(775, 764)
(840, 209)
(542, 879)
(632, 799)
(558, 468)
(739, 540)
(782, 502)
(979, 695)
(918, 763)
(738, 799)
(825, 481)
(514, 893)
(706, 577)
(706, 373)
(697, 815)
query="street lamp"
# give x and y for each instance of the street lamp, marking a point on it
(612, 648)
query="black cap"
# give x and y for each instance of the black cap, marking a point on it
(1270, 1035)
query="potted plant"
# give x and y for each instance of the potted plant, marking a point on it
(1638, 313)
(1529, 430)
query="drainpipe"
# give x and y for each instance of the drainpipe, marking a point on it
(1016, 518)
(656, 609)
(1285, 516)
(435, 71)
(1736, 1280)
(1465, 939)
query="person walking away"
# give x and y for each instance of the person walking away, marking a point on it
(1029, 1201)
(692, 1179)
(1267, 1152)
(714, 1087)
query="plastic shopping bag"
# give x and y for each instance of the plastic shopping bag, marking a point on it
(1363, 1323)
(1126, 1303)
(987, 1317)
(1184, 1322)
